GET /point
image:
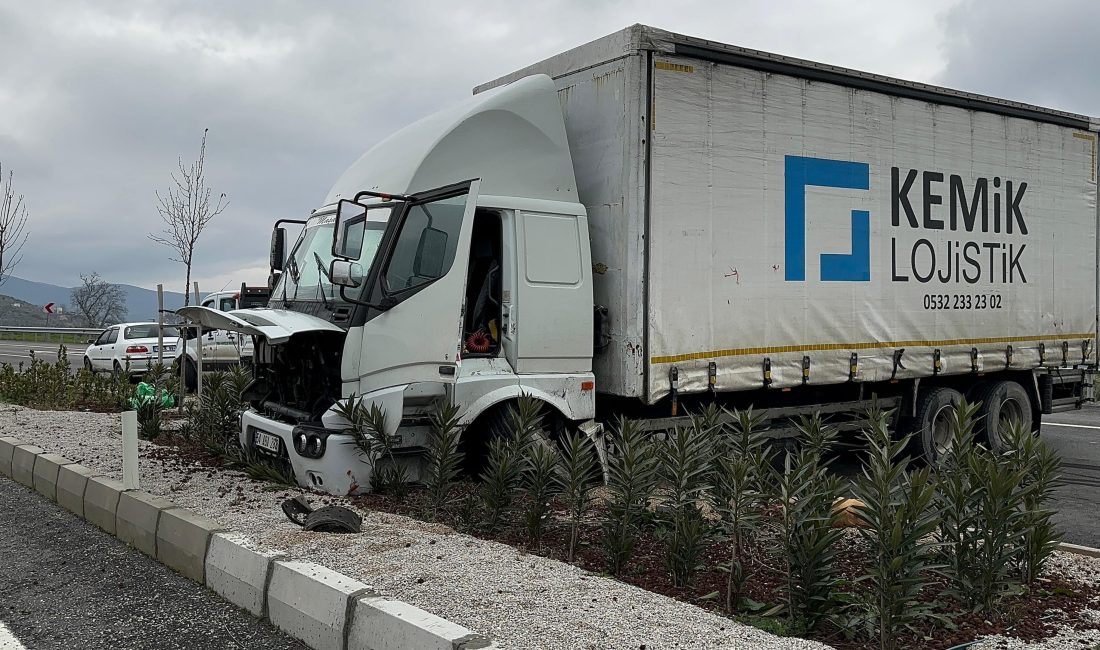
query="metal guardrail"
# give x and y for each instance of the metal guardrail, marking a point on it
(45, 333)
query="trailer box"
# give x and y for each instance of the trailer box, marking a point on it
(759, 221)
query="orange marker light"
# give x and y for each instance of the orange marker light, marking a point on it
(588, 385)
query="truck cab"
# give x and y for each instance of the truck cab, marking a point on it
(408, 285)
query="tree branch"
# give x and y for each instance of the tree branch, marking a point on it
(185, 210)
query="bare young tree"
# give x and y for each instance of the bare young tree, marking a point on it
(13, 222)
(186, 210)
(98, 302)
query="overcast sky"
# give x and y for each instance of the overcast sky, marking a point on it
(97, 100)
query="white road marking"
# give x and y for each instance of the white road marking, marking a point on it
(1072, 426)
(8, 640)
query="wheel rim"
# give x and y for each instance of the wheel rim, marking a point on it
(87, 365)
(941, 429)
(1011, 411)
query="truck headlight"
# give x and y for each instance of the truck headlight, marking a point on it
(309, 443)
(315, 446)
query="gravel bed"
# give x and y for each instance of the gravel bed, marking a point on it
(520, 600)
(1076, 568)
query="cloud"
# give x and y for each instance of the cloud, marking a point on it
(1040, 53)
(100, 100)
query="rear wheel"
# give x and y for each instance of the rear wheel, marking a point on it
(1004, 403)
(931, 428)
(117, 372)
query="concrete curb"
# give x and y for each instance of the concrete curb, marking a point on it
(22, 464)
(7, 448)
(1079, 550)
(101, 502)
(381, 623)
(239, 574)
(313, 603)
(182, 541)
(72, 480)
(44, 475)
(324, 609)
(136, 519)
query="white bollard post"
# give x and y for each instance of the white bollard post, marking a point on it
(129, 450)
(160, 324)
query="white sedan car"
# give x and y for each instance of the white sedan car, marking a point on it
(135, 343)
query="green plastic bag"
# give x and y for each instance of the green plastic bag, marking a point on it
(146, 393)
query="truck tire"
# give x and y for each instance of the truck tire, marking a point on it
(190, 375)
(931, 428)
(497, 423)
(1002, 403)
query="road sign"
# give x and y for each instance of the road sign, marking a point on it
(48, 308)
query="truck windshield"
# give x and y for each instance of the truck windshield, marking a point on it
(305, 273)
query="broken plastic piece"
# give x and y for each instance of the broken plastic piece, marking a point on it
(334, 519)
(330, 519)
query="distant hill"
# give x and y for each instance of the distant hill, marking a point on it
(20, 313)
(141, 304)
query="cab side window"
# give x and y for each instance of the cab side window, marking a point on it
(426, 246)
(228, 304)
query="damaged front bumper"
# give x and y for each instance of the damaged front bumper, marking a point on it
(326, 459)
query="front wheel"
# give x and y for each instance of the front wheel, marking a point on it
(499, 422)
(88, 365)
(931, 428)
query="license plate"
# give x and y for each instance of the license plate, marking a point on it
(167, 348)
(266, 441)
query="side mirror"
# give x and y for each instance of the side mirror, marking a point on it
(430, 253)
(91, 341)
(278, 248)
(348, 231)
(346, 273)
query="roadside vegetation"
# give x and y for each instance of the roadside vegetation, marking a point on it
(710, 513)
(715, 515)
(43, 385)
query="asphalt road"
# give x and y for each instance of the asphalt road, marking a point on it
(16, 352)
(67, 584)
(1075, 435)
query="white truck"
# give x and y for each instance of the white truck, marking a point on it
(652, 222)
(222, 349)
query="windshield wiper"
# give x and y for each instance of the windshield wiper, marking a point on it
(295, 274)
(321, 285)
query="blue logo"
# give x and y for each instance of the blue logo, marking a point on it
(800, 172)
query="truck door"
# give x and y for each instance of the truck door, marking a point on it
(211, 352)
(421, 284)
(229, 343)
(550, 315)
